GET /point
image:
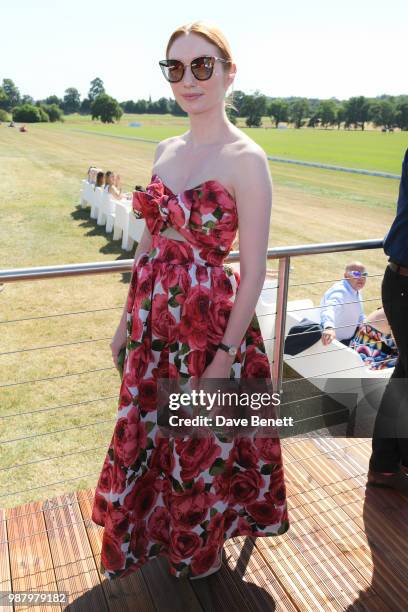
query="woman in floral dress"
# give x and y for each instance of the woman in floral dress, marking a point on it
(182, 497)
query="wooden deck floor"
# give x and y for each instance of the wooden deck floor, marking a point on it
(347, 549)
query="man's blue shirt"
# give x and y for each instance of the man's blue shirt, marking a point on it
(396, 240)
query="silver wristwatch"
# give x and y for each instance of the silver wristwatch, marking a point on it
(231, 350)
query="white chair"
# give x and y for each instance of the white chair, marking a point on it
(121, 224)
(106, 208)
(82, 194)
(136, 229)
(111, 214)
(96, 202)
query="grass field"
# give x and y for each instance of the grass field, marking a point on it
(371, 150)
(42, 224)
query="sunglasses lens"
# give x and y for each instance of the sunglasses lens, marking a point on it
(172, 70)
(202, 68)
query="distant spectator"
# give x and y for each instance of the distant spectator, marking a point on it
(91, 175)
(100, 179)
(108, 179)
(111, 187)
(341, 307)
(118, 183)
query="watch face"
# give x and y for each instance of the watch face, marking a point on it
(232, 351)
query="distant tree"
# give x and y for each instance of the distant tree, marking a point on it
(27, 113)
(140, 107)
(12, 94)
(153, 108)
(231, 113)
(340, 115)
(54, 100)
(238, 98)
(298, 111)
(96, 89)
(163, 107)
(72, 101)
(106, 109)
(53, 111)
(177, 110)
(327, 112)
(383, 113)
(314, 120)
(85, 108)
(401, 115)
(26, 99)
(357, 111)
(279, 111)
(3, 99)
(254, 108)
(128, 106)
(4, 116)
(44, 117)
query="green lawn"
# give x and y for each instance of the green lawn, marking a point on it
(370, 150)
(42, 224)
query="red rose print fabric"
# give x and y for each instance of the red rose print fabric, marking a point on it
(183, 497)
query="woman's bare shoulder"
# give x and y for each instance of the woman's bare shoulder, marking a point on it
(244, 145)
(249, 159)
(168, 144)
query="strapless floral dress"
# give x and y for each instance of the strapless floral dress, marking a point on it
(182, 498)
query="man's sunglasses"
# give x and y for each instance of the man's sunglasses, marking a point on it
(358, 274)
(202, 68)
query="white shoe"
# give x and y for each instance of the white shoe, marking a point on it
(210, 571)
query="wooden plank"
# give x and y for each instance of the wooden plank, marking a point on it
(298, 480)
(318, 576)
(5, 575)
(254, 578)
(324, 562)
(75, 568)
(337, 530)
(170, 594)
(129, 593)
(220, 591)
(30, 552)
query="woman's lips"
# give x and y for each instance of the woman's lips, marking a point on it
(191, 96)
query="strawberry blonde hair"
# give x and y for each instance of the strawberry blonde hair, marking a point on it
(211, 34)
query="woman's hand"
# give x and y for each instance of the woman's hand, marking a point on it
(220, 366)
(118, 342)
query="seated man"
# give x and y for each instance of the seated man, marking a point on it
(341, 309)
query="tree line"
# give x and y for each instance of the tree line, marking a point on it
(387, 112)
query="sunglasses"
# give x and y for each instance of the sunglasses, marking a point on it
(202, 68)
(358, 274)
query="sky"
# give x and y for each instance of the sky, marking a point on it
(315, 49)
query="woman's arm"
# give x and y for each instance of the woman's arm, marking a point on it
(144, 243)
(114, 191)
(253, 192)
(142, 246)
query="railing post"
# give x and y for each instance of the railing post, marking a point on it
(280, 323)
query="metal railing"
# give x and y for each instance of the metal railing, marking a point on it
(282, 254)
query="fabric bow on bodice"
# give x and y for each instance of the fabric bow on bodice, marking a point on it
(161, 208)
(205, 215)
